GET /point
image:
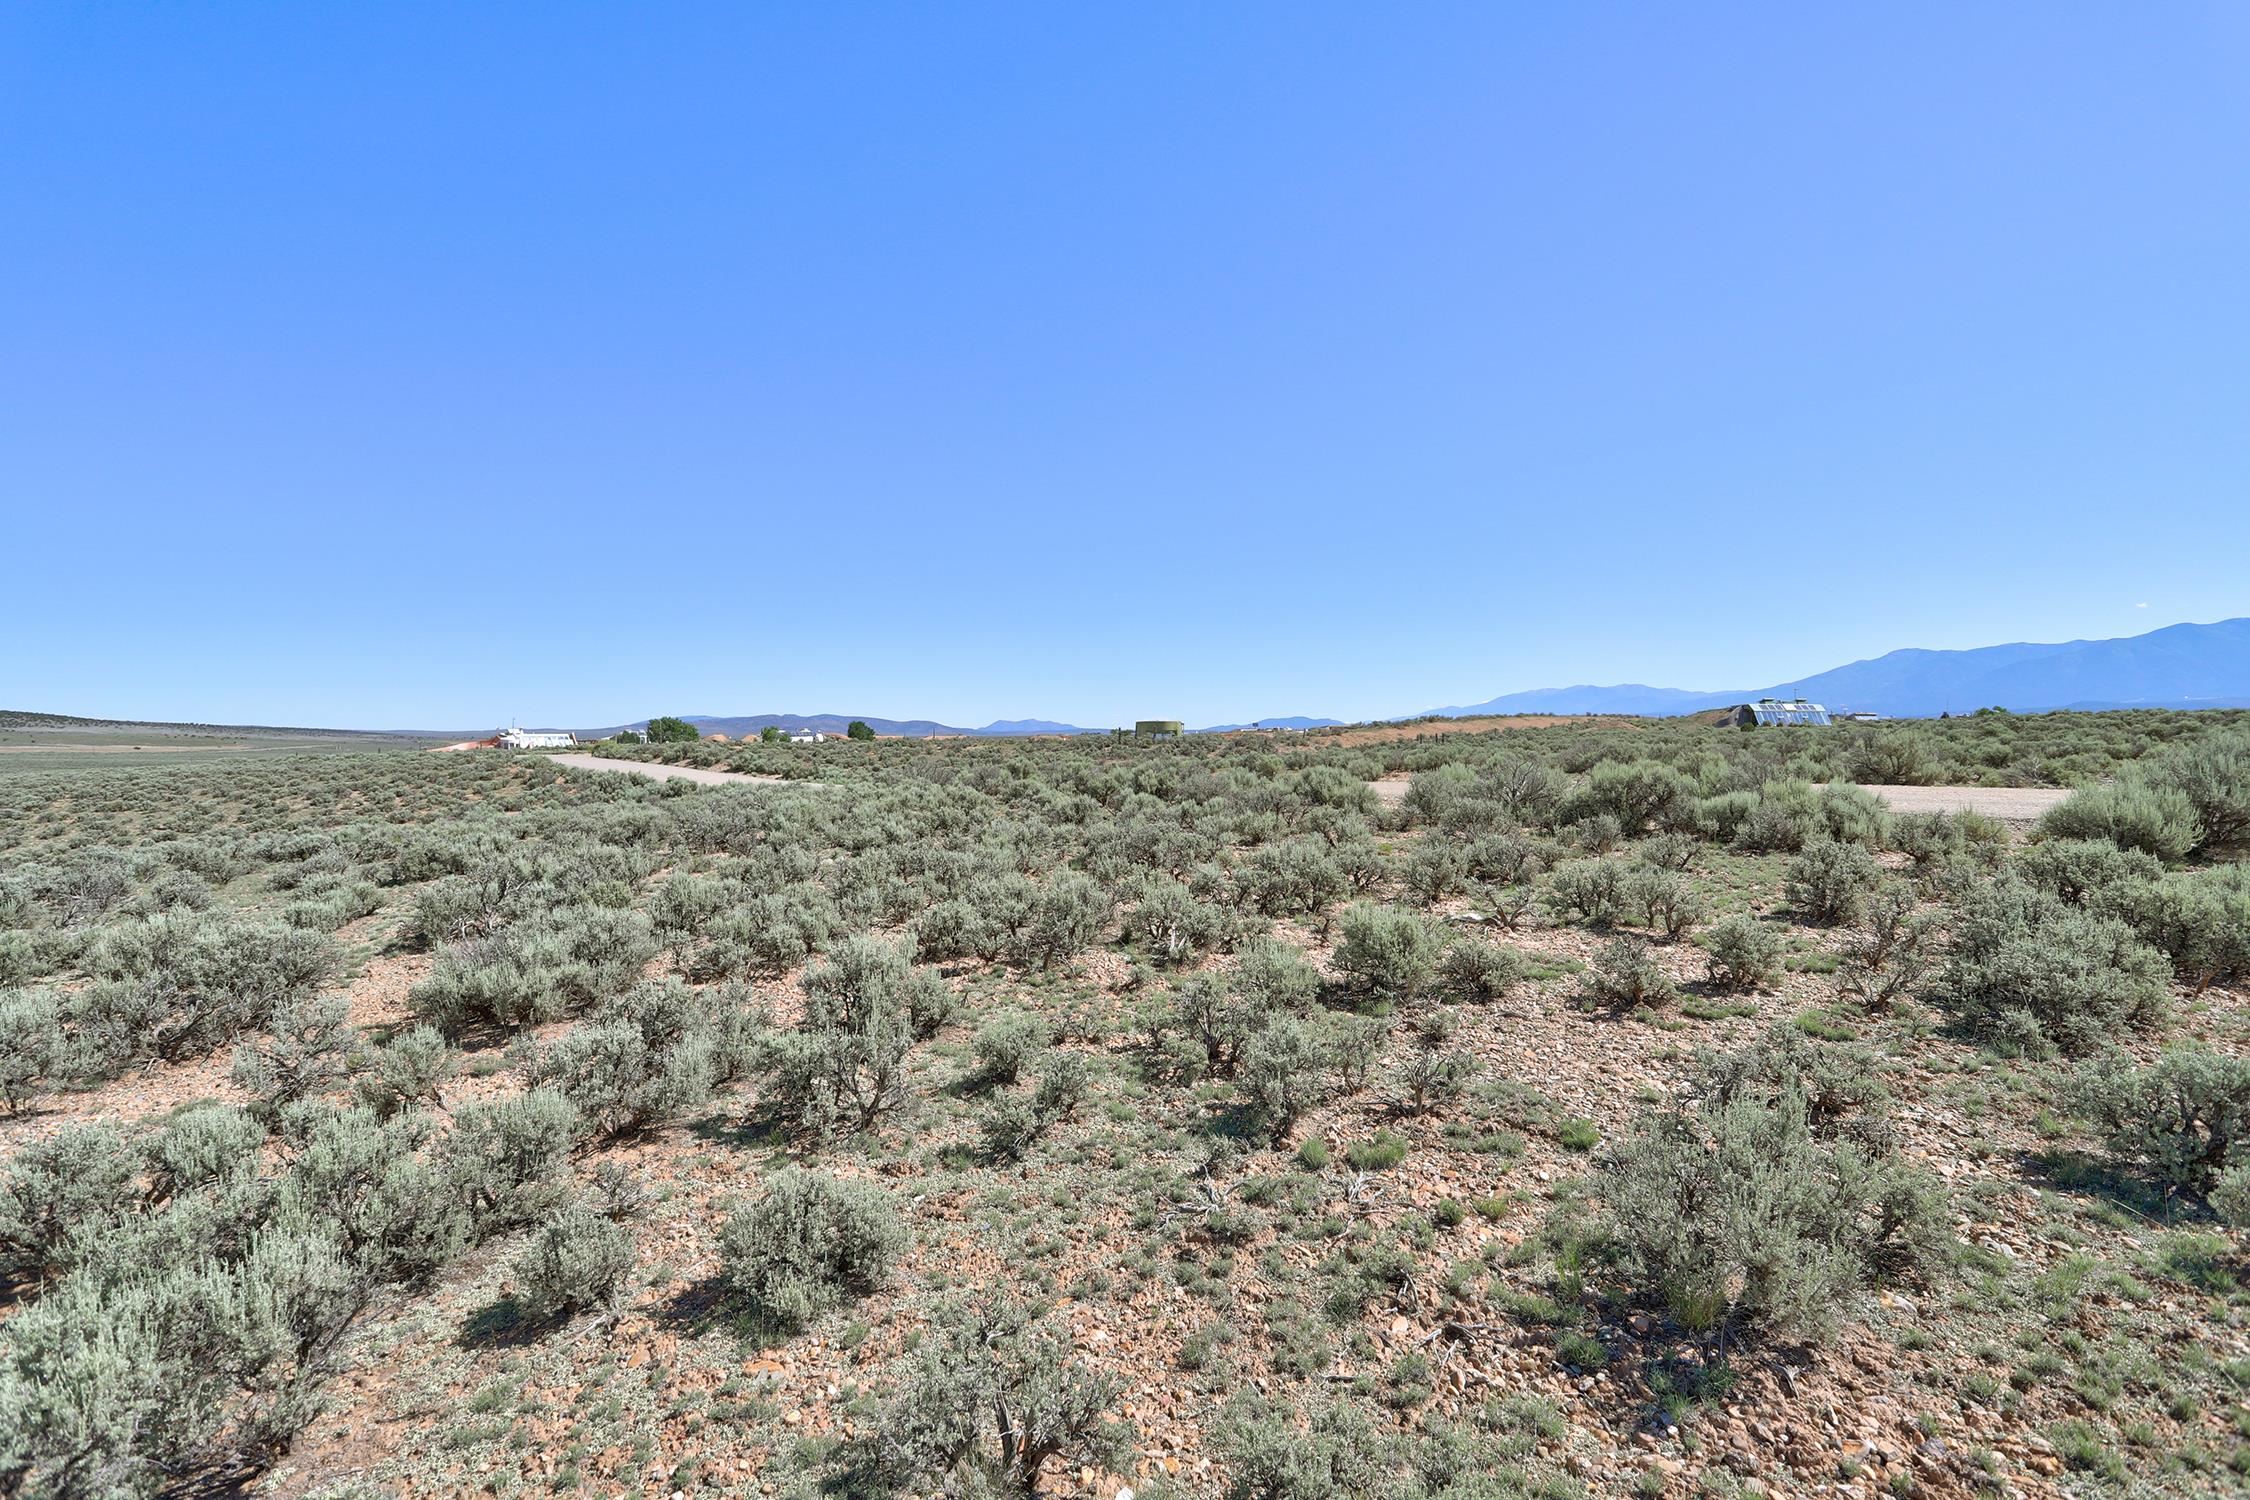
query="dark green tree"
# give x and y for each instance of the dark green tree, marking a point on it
(670, 731)
(858, 730)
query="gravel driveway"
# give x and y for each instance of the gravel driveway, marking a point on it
(657, 771)
(2013, 804)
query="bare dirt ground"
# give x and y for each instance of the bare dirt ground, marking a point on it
(2011, 804)
(657, 772)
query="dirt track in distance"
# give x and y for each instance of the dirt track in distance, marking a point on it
(655, 771)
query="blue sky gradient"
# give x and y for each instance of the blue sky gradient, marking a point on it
(420, 365)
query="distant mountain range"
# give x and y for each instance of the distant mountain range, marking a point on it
(740, 726)
(2179, 666)
(1294, 722)
(1627, 698)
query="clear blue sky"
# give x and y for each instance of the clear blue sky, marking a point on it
(419, 365)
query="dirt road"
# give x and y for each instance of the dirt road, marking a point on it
(656, 771)
(2011, 804)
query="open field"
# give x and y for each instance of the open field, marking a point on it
(33, 743)
(1598, 1113)
(32, 760)
(30, 746)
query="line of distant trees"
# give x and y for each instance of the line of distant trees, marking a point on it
(670, 730)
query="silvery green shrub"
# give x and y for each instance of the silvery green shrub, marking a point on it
(1482, 970)
(409, 1071)
(1004, 1044)
(175, 987)
(1745, 954)
(116, 1386)
(1828, 880)
(577, 1261)
(2030, 973)
(991, 1397)
(2184, 1119)
(2156, 820)
(1281, 1077)
(1390, 952)
(1624, 972)
(1589, 891)
(55, 1187)
(303, 1056)
(1735, 1213)
(808, 1243)
(504, 1158)
(540, 969)
(1271, 976)
(844, 1066)
(30, 1044)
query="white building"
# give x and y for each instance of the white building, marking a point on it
(805, 737)
(537, 739)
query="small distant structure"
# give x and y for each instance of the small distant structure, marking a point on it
(806, 737)
(513, 738)
(1860, 716)
(717, 739)
(1768, 711)
(1157, 729)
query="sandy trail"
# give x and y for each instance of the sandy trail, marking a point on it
(656, 771)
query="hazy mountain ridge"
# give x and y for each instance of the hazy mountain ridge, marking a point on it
(737, 726)
(1294, 721)
(1625, 698)
(2178, 666)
